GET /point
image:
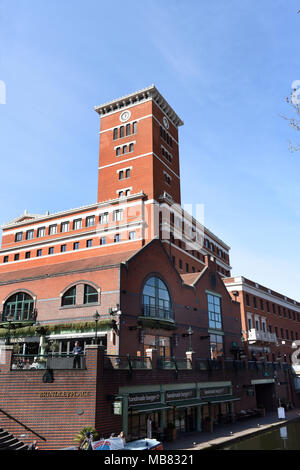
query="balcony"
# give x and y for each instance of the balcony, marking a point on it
(158, 313)
(262, 336)
(127, 362)
(53, 361)
(174, 363)
(18, 317)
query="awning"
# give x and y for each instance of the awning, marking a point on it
(149, 408)
(187, 403)
(222, 399)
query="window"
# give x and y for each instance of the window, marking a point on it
(27, 255)
(261, 304)
(103, 218)
(134, 127)
(249, 323)
(187, 267)
(274, 310)
(65, 227)
(156, 299)
(41, 232)
(121, 194)
(77, 224)
(103, 241)
(118, 151)
(39, 252)
(216, 346)
(89, 243)
(115, 133)
(51, 250)
(268, 307)
(63, 248)
(214, 312)
(16, 257)
(118, 215)
(124, 149)
(116, 238)
(254, 302)
(69, 297)
(52, 229)
(76, 246)
(18, 236)
(29, 234)
(180, 264)
(5, 259)
(247, 300)
(121, 131)
(131, 147)
(279, 310)
(167, 179)
(90, 221)
(90, 295)
(19, 307)
(127, 192)
(128, 129)
(161, 343)
(121, 175)
(131, 235)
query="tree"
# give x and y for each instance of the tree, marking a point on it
(294, 120)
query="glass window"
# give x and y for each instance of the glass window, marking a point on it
(76, 246)
(121, 175)
(19, 307)
(90, 221)
(214, 312)
(132, 235)
(63, 248)
(121, 193)
(27, 255)
(89, 243)
(115, 133)
(134, 127)
(117, 238)
(156, 299)
(41, 232)
(77, 224)
(128, 129)
(118, 215)
(103, 218)
(69, 297)
(118, 151)
(122, 131)
(53, 229)
(130, 147)
(124, 148)
(19, 236)
(39, 252)
(161, 343)
(5, 259)
(16, 257)
(51, 250)
(29, 234)
(90, 295)
(216, 346)
(65, 227)
(128, 173)
(103, 241)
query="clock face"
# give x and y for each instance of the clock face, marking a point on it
(125, 116)
(166, 122)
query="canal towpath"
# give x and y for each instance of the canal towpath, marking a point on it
(228, 433)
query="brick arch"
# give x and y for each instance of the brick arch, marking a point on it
(81, 281)
(162, 278)
(27, 291)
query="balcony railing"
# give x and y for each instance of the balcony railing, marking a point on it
(18, 316)
(50, 361)
(265, 336)
(174, 363)
(157, 312)
(127, 362)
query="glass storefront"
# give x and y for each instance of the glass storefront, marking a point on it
(161, 343)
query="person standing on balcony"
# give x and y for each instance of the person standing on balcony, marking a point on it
(77, 350)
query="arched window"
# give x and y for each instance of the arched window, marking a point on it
(90, 295)
(156, 299)
(19, 307)
(69, 297)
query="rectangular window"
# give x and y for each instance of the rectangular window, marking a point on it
(16, 257)
(39, 252)
(118, 151)
(29, 234)
(53, 229)
(249, 323)
(274, 310)
(27, 255)
(130, 148)
(124, 149)
(76, 246)
(268, 307)
(216, 346)
(121, 175)
(41, 232)
(5, 259)
(116, 238)
(103, 218)
(51, 250)
(77, 224)
(214, 312)
(131, 235)
(65, 227)
(180, 264)
(247, 300)
(128, 129)
(128, 173)
(127, 192)
(134, 127)
(89, 243)
(103, 241)
(261, 304)
(118, 215)
(115, 133)
(18, 236)
(254, 302)
(121, 131)
(90, 221)
(121, 194)
(63, 248)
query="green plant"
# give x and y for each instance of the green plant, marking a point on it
(80, 437)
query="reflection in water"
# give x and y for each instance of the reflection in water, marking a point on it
(287, 437)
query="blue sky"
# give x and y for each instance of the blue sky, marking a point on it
(226, 67)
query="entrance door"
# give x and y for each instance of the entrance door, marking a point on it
(265, 396)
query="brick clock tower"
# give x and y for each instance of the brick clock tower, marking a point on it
(139, 149)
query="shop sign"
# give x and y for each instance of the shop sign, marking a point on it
(143, 398)
(213, 392)
(180, 394)
(117, 407)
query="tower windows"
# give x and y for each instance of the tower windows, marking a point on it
(19, 237)
(103, 218)
(127, 148)
(115, 133)
(29, 234)
(90, 221)
(77, 224)
(121, 132)
(129, 129)
(41, 232)
(53, 229)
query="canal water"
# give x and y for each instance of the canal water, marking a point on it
(286, 437)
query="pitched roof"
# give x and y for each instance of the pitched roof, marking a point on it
(192, 278)
(57, 269)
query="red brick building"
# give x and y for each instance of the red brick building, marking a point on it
(138, 275)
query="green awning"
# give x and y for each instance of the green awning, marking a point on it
(187, 403)
(149, 408)
(222, 399)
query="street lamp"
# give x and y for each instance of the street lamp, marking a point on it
(96, 317)
(190, 333)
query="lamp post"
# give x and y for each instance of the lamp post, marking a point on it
(190, 333)
(96, 317)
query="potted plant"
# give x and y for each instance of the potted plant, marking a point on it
(81, 436)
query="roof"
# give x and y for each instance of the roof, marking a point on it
(150, 92)
(192, 278)
(95, 263)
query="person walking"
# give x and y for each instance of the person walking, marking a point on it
(33, 446)
(77, 350)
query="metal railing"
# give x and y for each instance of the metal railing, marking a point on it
(174, 364)
(18, 316)
(22, 424)
(50, 361)
(157, 312)
(127, 362)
